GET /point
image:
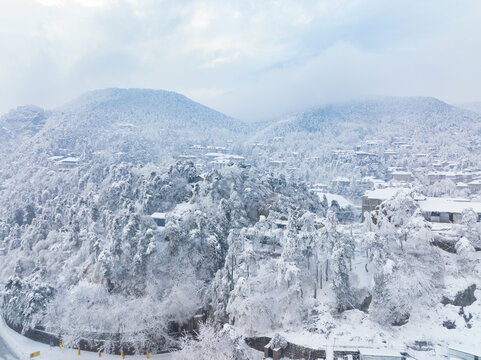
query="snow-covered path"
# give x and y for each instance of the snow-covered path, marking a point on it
(5, 352)
(14, 346)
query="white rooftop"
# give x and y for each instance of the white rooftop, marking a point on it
(158, 215)
(341, 200)
(69, 159)
(214, 154)
(365, 153)
(381, 352)
(319, 185)
(449, 205)
(467, 349)
(382, 194)
(447, 173)
(401, 173)
(232, 156)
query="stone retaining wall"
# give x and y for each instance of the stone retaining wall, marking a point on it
(109, 342)
(292, 351)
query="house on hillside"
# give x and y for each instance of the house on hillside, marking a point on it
(214, 155)
(68, 163)
(187, 157)
(406, 147)
(373, 144)
(447, 210)
(197, 147)
(435, 176)
(282, 222)
(460, 352)
(390, 153)
(398, 143)
(365, 155)
(439, 210)
(341, 154)
(220, 163)
(159, 219)
(319, 187)
(278, 163)
(340, 181)
(475, 185)
(401, 176)
(371, 182)
(372, 199)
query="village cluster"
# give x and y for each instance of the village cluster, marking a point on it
(380, 177)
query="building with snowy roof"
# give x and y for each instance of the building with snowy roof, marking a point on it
(372, 199)
(462, 352)
(475, 185)
(390, 153)
(401, 176)
(365, 155)
(319, 187)
(159, 219)
(434, 209)
(68, 163)
(340, 181)
(278, 163)
(447, 210)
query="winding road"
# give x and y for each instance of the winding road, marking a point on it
(5, 352)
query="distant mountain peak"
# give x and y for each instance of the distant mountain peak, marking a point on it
(128, 95)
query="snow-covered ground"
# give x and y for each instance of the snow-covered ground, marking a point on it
(354, 329)
(23, 347)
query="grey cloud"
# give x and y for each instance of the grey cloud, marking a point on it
(249, 59)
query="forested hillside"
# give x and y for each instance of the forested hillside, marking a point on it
(246, 240)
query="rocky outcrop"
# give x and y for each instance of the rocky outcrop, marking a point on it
(462, 298)
(402, 321)
(446, 245)
(448, 324)
(364, 306)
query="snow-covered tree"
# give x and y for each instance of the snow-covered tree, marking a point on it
(213, 343)
(406, 265)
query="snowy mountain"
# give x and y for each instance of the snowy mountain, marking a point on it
(145, 108)
(400, 116)
(123, 124)
(361, 131)
(246, 244)
(20, 123)
(24, 119)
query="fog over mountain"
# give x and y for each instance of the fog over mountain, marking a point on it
(473, 106)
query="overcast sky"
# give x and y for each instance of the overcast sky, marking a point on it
(249, 59)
